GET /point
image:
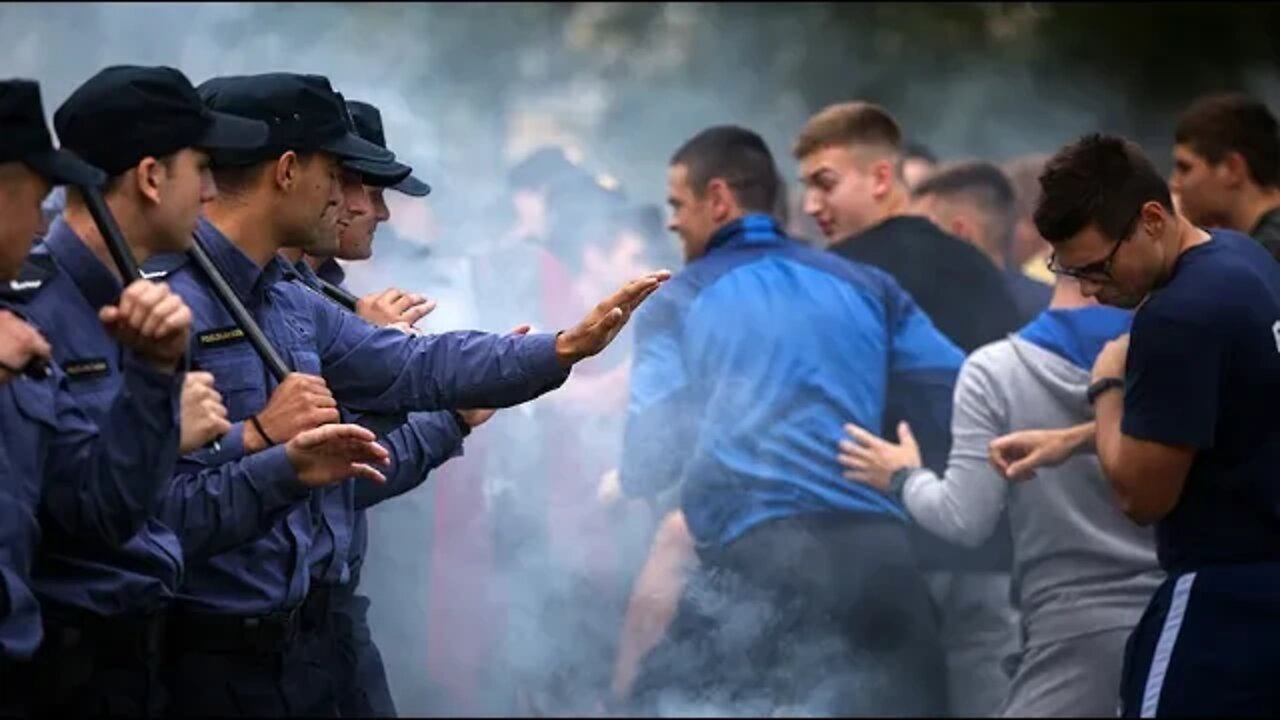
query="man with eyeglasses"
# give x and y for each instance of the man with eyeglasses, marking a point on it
(1191, 441)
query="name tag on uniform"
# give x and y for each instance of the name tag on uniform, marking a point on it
(220, 337)
(86, 369)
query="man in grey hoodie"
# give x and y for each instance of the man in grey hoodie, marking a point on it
(1082, 571)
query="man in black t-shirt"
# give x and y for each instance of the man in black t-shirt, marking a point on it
(850, 158)
(1191, 442)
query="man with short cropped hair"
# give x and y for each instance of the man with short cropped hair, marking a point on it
(975, 202)
(1226, 167)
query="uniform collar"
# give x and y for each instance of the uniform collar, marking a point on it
(754, 229)
(94, 280)
(243, 275)
(331, 271)
(304, 271)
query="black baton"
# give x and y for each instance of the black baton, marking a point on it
(242, 317)
(126, 263)
(110, 231)
(338, 295)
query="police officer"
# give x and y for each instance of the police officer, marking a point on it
(240, 652)
(89, 484)
(104, 610)
(359, 672)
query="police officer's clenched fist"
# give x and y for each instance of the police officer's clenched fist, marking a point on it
(204, 417)
(298, 404)
(152, 320)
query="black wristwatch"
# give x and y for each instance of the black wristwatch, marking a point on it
(898, 480)
(1101, 386)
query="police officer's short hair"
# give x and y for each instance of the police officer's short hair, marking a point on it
(1215, 125)
(848, 124)
(981, 185)
(1099, 180)
(736, 155)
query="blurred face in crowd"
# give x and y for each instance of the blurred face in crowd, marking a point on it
(695, 216)
(844, 188)
(176, 189)
(531, 212)
(413, 219)
(21, 191)
(355, 241)
(314, 201)
(914, 170)
(620, 261)
(959, 219)
(1119, 273)
(1205, 191)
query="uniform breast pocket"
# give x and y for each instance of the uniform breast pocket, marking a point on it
(240, 379)
(35, 400)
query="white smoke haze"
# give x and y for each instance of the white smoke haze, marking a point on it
(466, 89)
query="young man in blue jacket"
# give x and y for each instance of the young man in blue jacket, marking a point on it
(745, 368)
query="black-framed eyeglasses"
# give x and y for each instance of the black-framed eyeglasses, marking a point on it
(1099, 269)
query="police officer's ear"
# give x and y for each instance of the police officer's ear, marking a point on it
(288, 171)
(148, 175)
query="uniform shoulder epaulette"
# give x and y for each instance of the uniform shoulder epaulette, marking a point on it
(36, 272)
(160, 266)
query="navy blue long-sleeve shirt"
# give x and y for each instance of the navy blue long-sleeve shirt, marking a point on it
(368, 370)
(66, 479)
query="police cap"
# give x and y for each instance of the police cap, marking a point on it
(302, 113)
(397, 176)
(24, 137)
(127, 112)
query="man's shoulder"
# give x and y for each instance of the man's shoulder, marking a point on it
(1216, 281)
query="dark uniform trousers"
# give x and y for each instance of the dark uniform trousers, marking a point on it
(824, 614)
(361, 678)
(263, 666)
(90, 665)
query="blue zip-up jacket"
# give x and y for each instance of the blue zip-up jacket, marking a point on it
(418, 443)
(368, 369)
(72, 480)
(749, 362)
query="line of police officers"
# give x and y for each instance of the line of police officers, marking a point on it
(181, 529)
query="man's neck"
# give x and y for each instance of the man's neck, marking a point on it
(1067, 295)
(1188, 236)
(315, 261)
(895, 204)
(81, 223)
(1255, 203)
(293, 255)
(249, 228)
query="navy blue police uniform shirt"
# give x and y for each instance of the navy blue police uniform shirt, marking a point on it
(368, 370)
(1203, 371)
(143, 574)
(417, 443)
(64, 478)
(749, 362)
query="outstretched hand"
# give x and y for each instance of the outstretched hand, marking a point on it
(606, 319)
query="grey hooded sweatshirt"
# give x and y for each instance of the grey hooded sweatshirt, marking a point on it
(1079, 565)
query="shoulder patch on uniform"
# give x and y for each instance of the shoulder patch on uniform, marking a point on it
(80, 369)
(220, 336)
(37, 270)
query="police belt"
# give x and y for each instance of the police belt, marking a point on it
(134, 635)
(269, 634)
